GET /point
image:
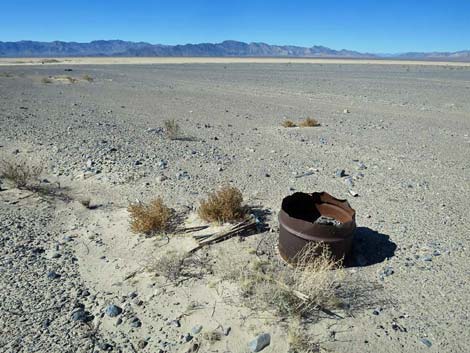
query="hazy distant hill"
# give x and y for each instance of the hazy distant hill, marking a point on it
(123, 48)
(226, 48)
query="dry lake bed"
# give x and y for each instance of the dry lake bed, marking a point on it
(76, 279)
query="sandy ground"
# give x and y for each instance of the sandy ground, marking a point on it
(400, 131)
(215, 60)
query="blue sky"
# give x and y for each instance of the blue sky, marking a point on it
(364, 25)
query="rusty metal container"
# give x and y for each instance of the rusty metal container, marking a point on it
(297, 226)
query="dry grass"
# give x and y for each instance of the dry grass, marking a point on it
(309, 122)
(288, 123)
(302, 290)
(299, 340)
(70, 79)
(172, 129)
(223, 205)
(150, 218)
(178, 266)
(21, 173)
(212, 336)
(88, 78)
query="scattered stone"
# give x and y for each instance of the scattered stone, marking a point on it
(376, 311)
(196, 329)
(426, 342)
(135, 322)
(142, 344)
(162, 164)
(53, 275)
(182, 175)
(81, 315)
(260, 342)
(175, 323)
(227, 330)
(387, 271)
(361, 166)
(353, 193)
(340, 173)
(132, 295)
(187, 337)
(327, 221)
(105, 346)
(346, 111)
(161, 178)
(113, 310)
(349, 181)
(427, 258)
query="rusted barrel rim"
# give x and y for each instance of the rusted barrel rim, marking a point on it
(297, 217)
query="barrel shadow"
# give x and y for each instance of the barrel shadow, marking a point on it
(369, 248)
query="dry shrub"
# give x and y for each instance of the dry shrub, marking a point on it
(172, 129)
(150, 218)
(21, 173)
(223, 205)
(299, 340)
(288, 123)
(70, 79)
(87, 78)
(178, 266)
(212, 336)
(309, 122)
(302, 290)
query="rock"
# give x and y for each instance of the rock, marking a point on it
(89, 163)
(387, 271)
(135, 322)
(53, 275)
(376, 311)
(187, 337)
(426, 342)
(142, 344)
(105, 346)
(427, 258)
(349, 181)
(162, 164)
(361, 166)
(175, 323)
(196, 329)
(161, 178)
(353, 193)
(227, 330)
(340, 173)
(260, 342)
(132, 295)
(182, 175)
(81, 315)
(113, 310)
(346, 111)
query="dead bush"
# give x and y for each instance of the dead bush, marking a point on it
(223, 205)
(309, 122)
(302, 290)
(88, 78)
(299, 340)
(150, 218)
(288, 123)
(172, 129)
(178, 266)
(21, 173)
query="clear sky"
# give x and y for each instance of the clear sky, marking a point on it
(379, 26)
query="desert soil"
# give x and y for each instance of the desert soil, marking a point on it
(400, 132)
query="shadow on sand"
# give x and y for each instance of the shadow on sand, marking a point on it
(369, 248)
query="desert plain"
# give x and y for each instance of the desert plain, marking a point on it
(394, 134)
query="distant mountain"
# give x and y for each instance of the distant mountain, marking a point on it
(123, 48)
(226, 48)
(463, 55)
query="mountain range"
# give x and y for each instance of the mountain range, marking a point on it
(226, 48)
